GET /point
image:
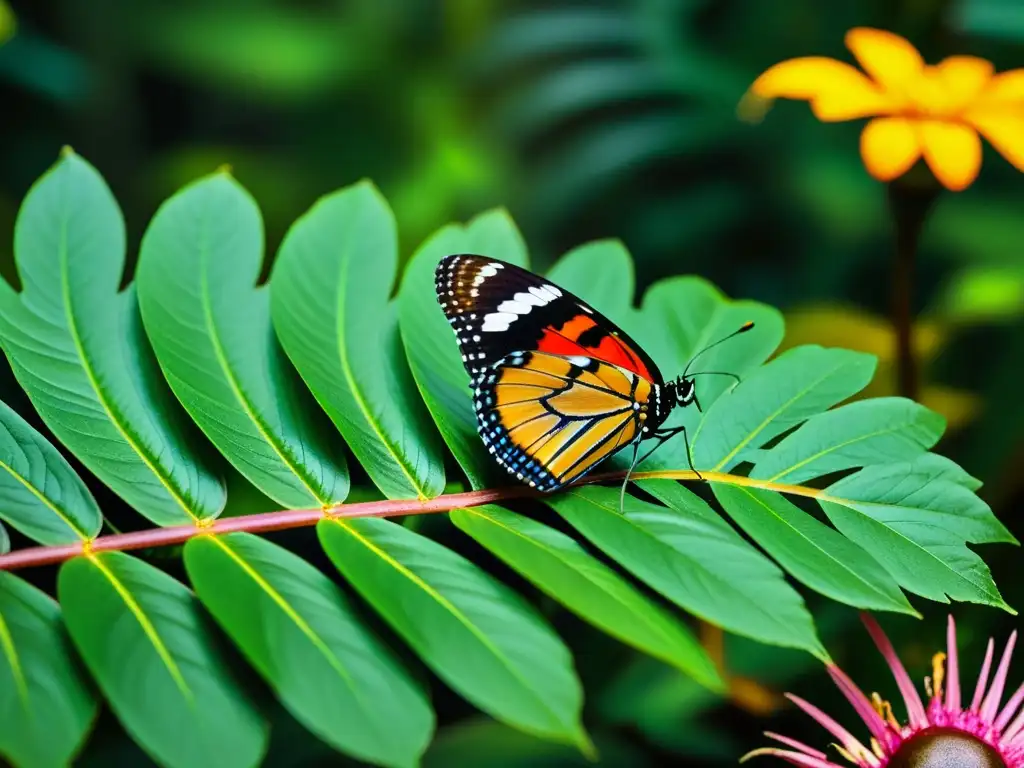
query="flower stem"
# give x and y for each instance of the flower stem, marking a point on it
(280, 520)
(909, 203)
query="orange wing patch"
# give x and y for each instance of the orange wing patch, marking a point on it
(549, 419)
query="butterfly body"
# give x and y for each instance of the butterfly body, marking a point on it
(557, 387)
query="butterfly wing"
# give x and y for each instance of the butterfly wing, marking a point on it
(497, 308)
(549, 419)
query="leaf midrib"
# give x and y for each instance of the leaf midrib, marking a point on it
(771, 417)
(278, 599)
(833, 448)
(851, 504)
(807, 539)
(657, 629)
(445, 603)
(45, 500)
(11, 652)
(218, 350)
(661, 543)
(112, 415)
(357, 395)
(147, 626)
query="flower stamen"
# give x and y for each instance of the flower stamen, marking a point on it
(938, 673)
(884, 710)
(985, 734)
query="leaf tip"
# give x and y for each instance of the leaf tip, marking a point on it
(225, 169)
(586, 746)
(66, 151)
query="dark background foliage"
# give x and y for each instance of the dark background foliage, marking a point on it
(586, 119)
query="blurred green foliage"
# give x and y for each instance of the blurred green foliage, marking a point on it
(607, 118)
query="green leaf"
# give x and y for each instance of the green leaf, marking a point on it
(330, 289)
(479, 637)
(297, 629)
(679, 317)
(879, 430)
(77, 348)
(483, 743)
(210, 328)
(144, 638)
(529, 38)
(689, 555)
(813, 553)
(683, 315)
(46, 710)
(40, 494)
(564, 570)
(5, 541)
(430, 344)
(776, 397)
(914, 518)
(601, 273)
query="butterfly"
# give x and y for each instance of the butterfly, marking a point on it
(557, 386)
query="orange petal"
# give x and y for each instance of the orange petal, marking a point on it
(836, 90)
(1005, 88)
(953, 152)
(964, 77)
(1004, 130)
(890, 59)
(889, 147)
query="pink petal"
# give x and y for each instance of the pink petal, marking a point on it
(795, 758)
(991, 704)
(952, 669)
(860, 703)
(979, 690)
(1015, 733)
(847, 739)
(1011, 707)
(915, 709)
(796, 745)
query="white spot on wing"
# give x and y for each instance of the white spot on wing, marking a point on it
(543, 293)
(497, 321)
(530, 298)
(515, 307)
(579, 360)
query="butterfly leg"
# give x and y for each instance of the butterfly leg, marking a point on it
(665, 434)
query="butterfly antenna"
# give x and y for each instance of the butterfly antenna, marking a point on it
(622, 491)
(715, 373)
(742, 329)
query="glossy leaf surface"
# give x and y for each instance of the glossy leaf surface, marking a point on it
(77, 347)
(210, 327)
(331, 286)
(297, 629)
(479, 636)
(565, 571)
(146, 641)
(46, 708)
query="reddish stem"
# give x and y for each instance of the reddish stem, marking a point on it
(260, 523)
(297, 518)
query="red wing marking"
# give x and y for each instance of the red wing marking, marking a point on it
(611, 349)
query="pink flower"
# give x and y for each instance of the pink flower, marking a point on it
(945, 734)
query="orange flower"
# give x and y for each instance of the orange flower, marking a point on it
(917, 109)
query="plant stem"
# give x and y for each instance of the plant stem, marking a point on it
(909, 203)
(280, 520)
